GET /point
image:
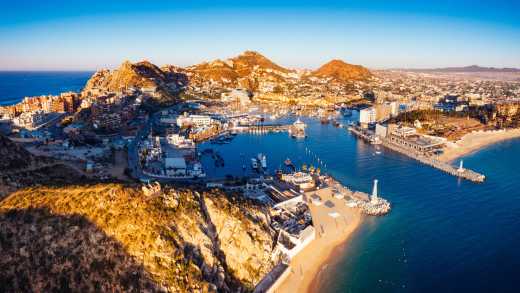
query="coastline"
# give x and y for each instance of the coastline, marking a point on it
(337, 250)
(475, 141)
(305, 267)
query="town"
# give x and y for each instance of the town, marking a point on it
(159, 125)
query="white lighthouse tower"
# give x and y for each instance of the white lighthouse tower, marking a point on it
(374, 192)
(461, 167)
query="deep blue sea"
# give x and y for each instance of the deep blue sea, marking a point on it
(15, 85)
(442, 235)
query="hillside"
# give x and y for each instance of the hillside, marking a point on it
(245, 70)
(114, 238)
(19, 168)
(341, 71)
(138, 75)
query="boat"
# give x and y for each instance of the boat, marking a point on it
(254, 163)
(263, 160)
(297, 130)
(347, 112)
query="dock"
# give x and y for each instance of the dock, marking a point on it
(263, 129)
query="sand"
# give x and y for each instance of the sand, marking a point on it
(306, 266)
(474, 141)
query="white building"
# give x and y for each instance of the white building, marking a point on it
(404, 131)
(367, 116)
(194, 120)
(381, 130)
(300, 179)
(180, 141)
(30, 119)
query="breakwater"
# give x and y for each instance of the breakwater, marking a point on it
(462, 173)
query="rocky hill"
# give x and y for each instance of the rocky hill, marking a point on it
(340, 71)
(19, 168)
(246, 70)
(115, 238)
(138, 75)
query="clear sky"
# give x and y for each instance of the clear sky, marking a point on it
(70, 35)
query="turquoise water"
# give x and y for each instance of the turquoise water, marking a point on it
(442, 235)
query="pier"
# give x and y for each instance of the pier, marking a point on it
(452, 170)
(416, 154)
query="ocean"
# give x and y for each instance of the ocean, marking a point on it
(15, 85)
(442, 235)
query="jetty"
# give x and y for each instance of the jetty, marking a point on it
(432, 161)
(421, 153)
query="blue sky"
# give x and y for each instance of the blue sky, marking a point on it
(72, 35)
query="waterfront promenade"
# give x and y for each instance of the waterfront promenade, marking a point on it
(334, 222)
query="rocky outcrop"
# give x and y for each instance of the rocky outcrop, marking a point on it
(114, 238)
(141, 75)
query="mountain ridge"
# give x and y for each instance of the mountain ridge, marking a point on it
(469, 69)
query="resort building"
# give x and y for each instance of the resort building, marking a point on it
(300, 180)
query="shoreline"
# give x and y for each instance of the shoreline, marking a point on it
(475, 141)
(333, 258)
(305, 268)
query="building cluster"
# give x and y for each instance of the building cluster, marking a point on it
(65, 102)
(111, 112)
(417, 91)
(160, 158)
(378, 112)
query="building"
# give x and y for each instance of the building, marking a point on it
(30, 119)
(194, 120)
(367, 116)
(301, 180)
(180, 141)
(404, 131)
(381, 131)
(175, 166)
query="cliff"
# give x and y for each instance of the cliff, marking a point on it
(115, 238)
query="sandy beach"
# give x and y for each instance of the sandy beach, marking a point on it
(474, 141)
(330, 233)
